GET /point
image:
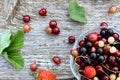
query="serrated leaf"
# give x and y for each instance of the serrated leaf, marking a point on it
(76, 12)
(17, 41)
(15, 59)
(4, 41)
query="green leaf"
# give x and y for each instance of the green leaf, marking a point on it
(15, 59)
(4, 41)
(76, 12)
(17, 41)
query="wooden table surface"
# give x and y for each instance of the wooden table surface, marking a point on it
(42, 47)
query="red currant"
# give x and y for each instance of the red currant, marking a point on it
(56, 60)
(53, 24)
(33, 66)
(26, 18)
(82, 43)
(43, 12)
(56, 30)
(105, 25)
(116, 36)
(71, 39)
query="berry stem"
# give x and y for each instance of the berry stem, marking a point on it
(111, 70)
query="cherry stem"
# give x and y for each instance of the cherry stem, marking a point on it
(116, 43)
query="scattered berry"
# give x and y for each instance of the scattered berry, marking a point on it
(33, 66)
(26, 18)
(104, 25)
(112, 9)
(56, 30)
(56, 60)
(43, 12)
(26, 28)
(53, 24)
(71, 39)
(48, 30)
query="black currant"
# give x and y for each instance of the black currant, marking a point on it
(93, 56)
(110, 32)
(99, 50)
(88, 44)
(101, 59)
(88, 61)
(118, 60)
(82, 50)
(103, 33)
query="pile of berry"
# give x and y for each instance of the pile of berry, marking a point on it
(98, 55)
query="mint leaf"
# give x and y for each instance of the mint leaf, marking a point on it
(17, 41)
(76, 12)
(15, 59)
(4, 41)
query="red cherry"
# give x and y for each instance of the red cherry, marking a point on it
(92, 37)
(33, 66)
(116, 36)
(56, 30)
(53, 24)
(71, 39)
(26, 18)
(56, 60)
(43, 12)
(82, 43)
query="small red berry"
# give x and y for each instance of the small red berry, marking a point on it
(26, 28)
(48, 30)
(71, 39)
(33, 66)
(43, 12)
(26, 18)
(116, 36)
(56, 30)
(53, 24)
(105, 25)
(56, 60)
(82, 43)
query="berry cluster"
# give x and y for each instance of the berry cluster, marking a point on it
(52, 28)
(98, 55)
(27, 18)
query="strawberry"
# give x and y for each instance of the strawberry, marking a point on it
(89, 72)
(46, 75)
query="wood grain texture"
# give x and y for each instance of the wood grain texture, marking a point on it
(42, 47)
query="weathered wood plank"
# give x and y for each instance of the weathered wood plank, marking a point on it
(41, 47)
